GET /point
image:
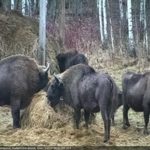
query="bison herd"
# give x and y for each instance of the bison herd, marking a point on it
(80, 86)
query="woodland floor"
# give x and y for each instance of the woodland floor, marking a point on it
(69, 136)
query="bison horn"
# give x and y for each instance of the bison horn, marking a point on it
(56, 78)
(46, 69)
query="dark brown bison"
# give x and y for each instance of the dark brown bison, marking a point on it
(82, 87)
(20, 78)
(68, 59)
(136, 95)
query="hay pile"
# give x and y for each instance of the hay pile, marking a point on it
(41, 114)
(20, 35)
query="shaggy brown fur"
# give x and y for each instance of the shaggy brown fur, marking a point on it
(20, 78)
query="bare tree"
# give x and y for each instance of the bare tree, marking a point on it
(105, 43)
(141, 19)
(121, 25)
(12, 4)
(145, 41)
(24, 7)
(62, 22)
(42, 32)
(101, 20)
(111, 29)
(132, 51)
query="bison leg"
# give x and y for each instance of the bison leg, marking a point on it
(77, 117)
(113, 120)
(86, 116)
(107, 129)
(146, 119)
(107, 122)
(15, 110)
(125, 116)
(76, 102)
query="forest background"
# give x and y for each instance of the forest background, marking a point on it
(120, 27)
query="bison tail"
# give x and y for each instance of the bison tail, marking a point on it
(114, 96)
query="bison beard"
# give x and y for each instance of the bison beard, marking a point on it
(82, 87)
(20, 79)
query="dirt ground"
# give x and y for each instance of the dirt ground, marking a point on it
(67, 135)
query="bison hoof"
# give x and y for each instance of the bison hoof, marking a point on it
(127, 124)
(146, 132)
(124, 127)
(105, 140)
(16, 127)
(113, 124)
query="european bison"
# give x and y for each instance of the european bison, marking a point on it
(68, 59)
(82, 87)
(136, 95)
(20, 78)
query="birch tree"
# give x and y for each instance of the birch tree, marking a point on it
(145, 29)
(42, 32)
(121, 24)
(101, 20)
(23, 7)
(111, 29)
(12, 5)
(132, 51)
(29, 8)
(141, 19)
(121, 10)
(105, 26)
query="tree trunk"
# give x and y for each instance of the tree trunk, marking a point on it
(101, 20)
(29, 8)
(111, 29)
(24, 7)
(52, 8)
(105, 43)
(42, 32)
(121, 25)
(12, 5)
(141, 19)
(145, 30)
(62, 22)
(132, 51)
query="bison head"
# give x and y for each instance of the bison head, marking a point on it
(55, 91)
(43, 75)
